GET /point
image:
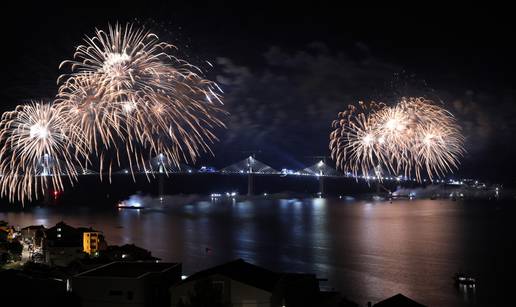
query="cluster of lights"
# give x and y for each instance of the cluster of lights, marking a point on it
(227, 194)
(320, 164)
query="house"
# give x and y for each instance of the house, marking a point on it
(65, 243)
(34, 234)
(6, 232)
(127, 252)
(91, 242)
(126, 284)
(398, 300)
(26, 289)
(242, 284)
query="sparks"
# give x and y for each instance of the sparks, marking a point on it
(413, 136)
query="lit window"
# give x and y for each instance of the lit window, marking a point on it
(59, 235)
(59, 229)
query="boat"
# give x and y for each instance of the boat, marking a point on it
(378, 198)
(463, 279)
(133, 205)
(396, 195)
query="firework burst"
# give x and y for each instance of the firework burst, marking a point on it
(411, 137)
(124, 100)
(145, 101)
(354, 142)
(36, 151)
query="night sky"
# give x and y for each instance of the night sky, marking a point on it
(287, 70)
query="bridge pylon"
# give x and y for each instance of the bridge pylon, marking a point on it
(250, 177)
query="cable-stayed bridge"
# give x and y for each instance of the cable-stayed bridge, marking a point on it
(161, 166)
(250, 165)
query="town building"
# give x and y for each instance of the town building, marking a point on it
(126, 252)
(398, 300)
(242, 284)
(7, 232)
(25, 289)
(65, 243)
(91, 242)
(126, 284)
(34, 235)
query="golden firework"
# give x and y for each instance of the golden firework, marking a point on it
(414, 136)
(36, 151)
(131, 95)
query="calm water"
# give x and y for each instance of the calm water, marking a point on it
(367, 250)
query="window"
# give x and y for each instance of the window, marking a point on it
(58, 229)
(59, 235)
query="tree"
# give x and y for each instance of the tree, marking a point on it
(15, 250)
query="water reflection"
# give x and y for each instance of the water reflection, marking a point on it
(368, 250)
(468, 293)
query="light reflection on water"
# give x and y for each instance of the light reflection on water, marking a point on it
(368, 250)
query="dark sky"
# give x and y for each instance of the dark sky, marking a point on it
(288, 69)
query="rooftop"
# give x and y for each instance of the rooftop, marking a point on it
(398, 300)
(127, 269)
(248, 273)
(34, 227)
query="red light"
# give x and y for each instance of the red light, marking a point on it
(56, 193)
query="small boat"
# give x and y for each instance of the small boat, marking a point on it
(403, 196)
(463, 279)
(126, 205)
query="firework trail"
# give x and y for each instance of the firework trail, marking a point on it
(35, 151)
(131, 96)
(415, 136)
